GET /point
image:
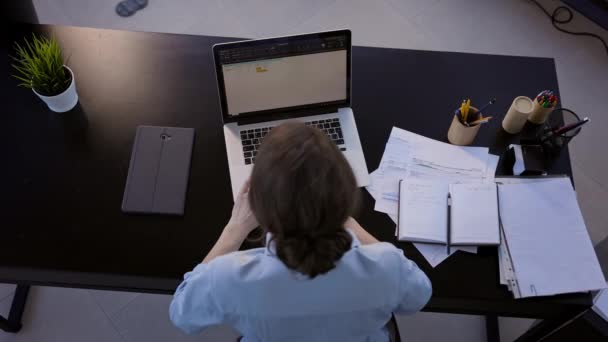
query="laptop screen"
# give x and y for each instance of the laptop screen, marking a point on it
(284, 73)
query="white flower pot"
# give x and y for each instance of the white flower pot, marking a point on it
(64, 101)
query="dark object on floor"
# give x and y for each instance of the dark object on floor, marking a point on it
(596, 10)
(557, 19)
(128, 7)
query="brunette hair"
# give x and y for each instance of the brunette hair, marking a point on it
(302, 191)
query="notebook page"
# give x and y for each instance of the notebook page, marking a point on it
(547, 239)
(423, 211)
(474, 214)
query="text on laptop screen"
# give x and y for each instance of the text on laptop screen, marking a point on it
(274, 76)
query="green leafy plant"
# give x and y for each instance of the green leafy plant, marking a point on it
(39, 66)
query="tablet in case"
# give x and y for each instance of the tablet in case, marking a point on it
(159, 171)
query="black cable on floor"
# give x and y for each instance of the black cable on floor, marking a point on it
(555, 20)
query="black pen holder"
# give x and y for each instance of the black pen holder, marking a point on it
(552, 143)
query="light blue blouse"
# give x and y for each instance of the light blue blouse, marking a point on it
(254, 292)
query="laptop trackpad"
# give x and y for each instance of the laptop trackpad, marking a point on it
(159, 170)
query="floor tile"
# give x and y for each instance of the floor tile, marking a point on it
(411, 8)
(112, 301)
(102, 14)
(592, 199)
(272, 17)
(61, 315)
(177, 16)
(371, 23)
(191, 17)
(216, 24)
(5, 306)
(6, 290)
(51, 12)
(583, 95)
(511, 328)
(426, 326)
(477, 26)
(146, 319)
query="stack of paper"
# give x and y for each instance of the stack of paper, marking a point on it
(505, 268)
(411, 156)
(545, 249)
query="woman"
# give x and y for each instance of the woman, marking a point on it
(321, 276)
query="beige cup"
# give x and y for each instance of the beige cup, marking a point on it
(459, 134)
(517, 115)
(539, 114)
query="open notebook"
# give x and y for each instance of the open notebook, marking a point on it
(426, 214)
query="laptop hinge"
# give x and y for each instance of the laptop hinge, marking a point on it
(286, 115)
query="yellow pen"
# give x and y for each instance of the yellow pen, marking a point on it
(462, 109)
(466, 110)
(481, 120)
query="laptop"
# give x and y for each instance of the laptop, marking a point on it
(265, 82)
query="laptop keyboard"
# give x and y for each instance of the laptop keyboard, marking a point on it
(252, 138)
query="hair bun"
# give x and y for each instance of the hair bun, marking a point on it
(313, 254)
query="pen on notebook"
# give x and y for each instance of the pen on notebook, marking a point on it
(449, 202)
(570, 127)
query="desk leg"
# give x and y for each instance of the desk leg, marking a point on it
(13, 323)
(492, 332)
(545, 327)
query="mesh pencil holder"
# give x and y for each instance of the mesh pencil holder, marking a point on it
(552, 143)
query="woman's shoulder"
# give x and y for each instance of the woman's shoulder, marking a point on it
(381, 248)
(238, 258)
(240, 263)
(383, 252)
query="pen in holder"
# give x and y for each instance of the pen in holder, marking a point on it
(543, 105)
(553, 138)
(461, 134)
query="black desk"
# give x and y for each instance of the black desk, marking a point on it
(63, 175)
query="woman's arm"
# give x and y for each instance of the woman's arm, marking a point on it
(230, 241)
(241, 223)
(364, 237)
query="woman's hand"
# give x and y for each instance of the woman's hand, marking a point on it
(243, 220)
(364, 237)
(241, 223)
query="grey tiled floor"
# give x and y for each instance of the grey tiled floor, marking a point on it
(511, 27)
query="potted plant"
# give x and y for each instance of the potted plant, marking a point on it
(39, 66)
